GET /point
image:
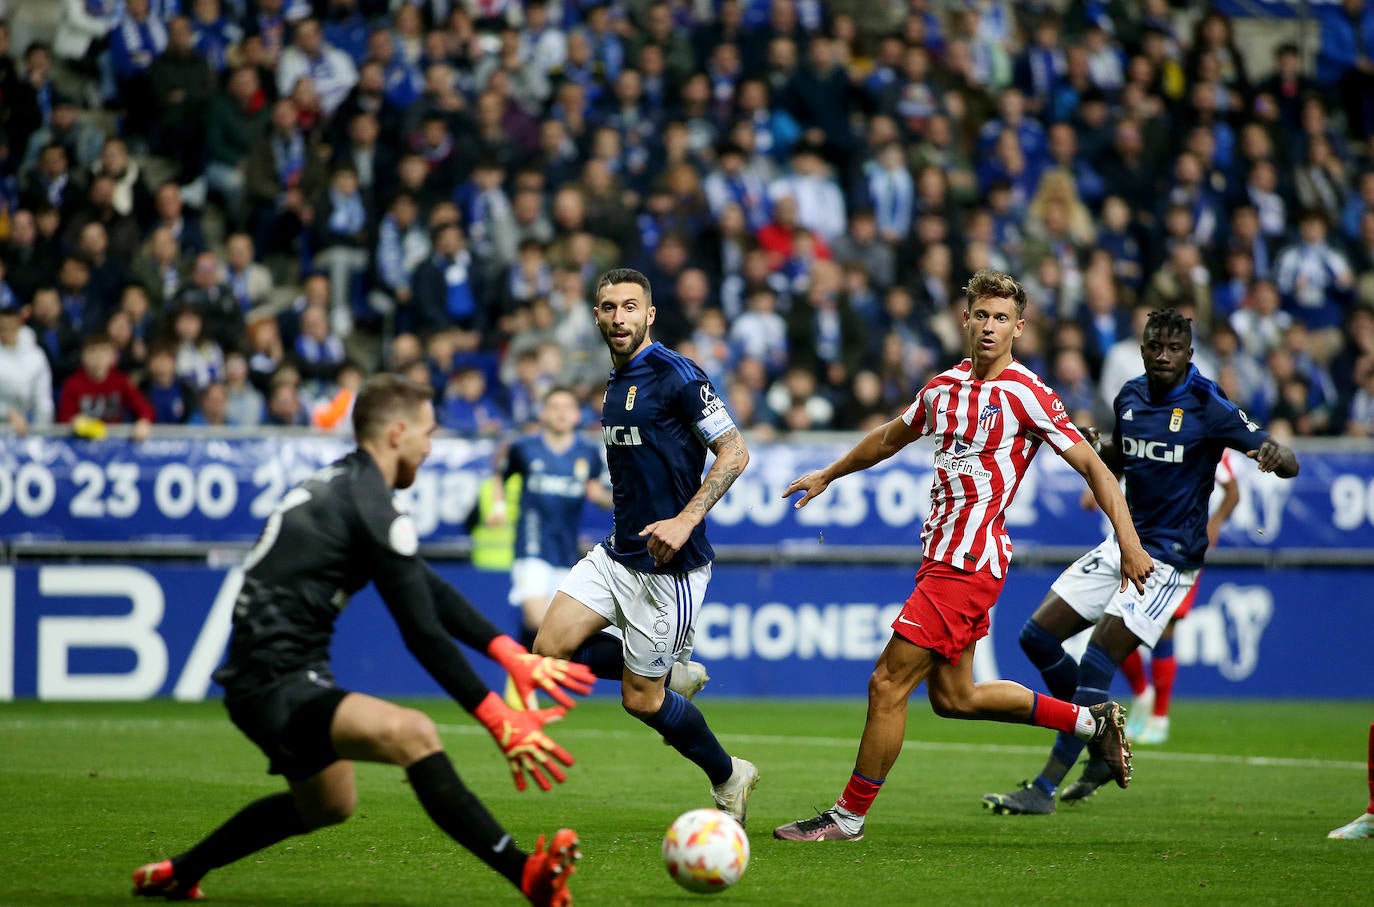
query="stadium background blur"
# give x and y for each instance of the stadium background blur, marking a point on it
(117, 604)
(807, 184)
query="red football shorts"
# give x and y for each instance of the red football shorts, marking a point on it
(948, 609)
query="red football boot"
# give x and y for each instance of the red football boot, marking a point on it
(545, 879)
(158, 880)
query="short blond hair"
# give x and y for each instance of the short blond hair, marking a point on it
(996, 284)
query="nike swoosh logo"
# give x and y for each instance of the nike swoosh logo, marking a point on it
(903, 620)
(501, 844)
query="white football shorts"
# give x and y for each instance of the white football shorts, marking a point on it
(532, 577)
(1091, 586)
(655, 612)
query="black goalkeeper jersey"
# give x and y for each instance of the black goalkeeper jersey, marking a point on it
(327, 538)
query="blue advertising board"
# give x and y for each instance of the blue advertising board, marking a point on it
(143, 630)
(216, 491)
(1281, 9)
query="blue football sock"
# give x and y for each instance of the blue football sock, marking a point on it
(1047, 653)
(603, 655)
(1095, 675)
(1095, 678)
(685, 729)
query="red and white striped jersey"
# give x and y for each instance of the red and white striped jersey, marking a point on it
(986, 434)
(1225, 474)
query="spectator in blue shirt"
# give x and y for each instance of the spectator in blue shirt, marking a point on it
(1345, 62)
(469, 406)
(1316, 283)
(170, 397)
(213, 33)
(1041, 66)
(443, 292)
(137, 39)
(346, 28)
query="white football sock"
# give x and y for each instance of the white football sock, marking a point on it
(1086, 725)
(851, 822)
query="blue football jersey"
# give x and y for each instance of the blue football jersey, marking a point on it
(552, 493)
(659, 413)
(1170, 448)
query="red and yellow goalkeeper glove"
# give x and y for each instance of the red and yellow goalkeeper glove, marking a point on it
(530, 673)
(526, 747)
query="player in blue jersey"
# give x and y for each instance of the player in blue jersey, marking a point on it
(1171, 427)
(648, 578)
(559, 471)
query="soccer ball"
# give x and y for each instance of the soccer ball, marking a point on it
(705, 851)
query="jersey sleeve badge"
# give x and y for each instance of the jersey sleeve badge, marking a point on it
(713, 420)
(402, 536)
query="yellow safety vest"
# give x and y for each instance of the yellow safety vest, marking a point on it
(493, 547)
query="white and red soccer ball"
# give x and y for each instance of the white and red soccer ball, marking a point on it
(705, 851)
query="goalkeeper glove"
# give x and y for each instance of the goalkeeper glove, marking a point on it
(523, 742)
(530, 673)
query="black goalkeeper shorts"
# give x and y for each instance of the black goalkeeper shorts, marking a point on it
(290, 721)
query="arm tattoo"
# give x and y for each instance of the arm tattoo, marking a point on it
(731, 458)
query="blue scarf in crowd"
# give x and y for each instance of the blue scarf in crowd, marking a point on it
(289, 156)
(460, 303)
(348, 215)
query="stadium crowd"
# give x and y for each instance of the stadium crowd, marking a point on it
(432, 186)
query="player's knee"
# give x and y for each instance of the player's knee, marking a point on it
(639, 703)
(951, 703)
(884, 690)
(1034, 639)
(545, 644)
(414, 735)
(332, 811)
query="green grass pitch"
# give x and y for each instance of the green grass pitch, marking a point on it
(1234, 810)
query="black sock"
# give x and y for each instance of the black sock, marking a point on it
(260, 824)
(526, 637)
(685, 729)
(602, 653)
(454, 809)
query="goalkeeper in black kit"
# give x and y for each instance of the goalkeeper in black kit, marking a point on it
(327, 539)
